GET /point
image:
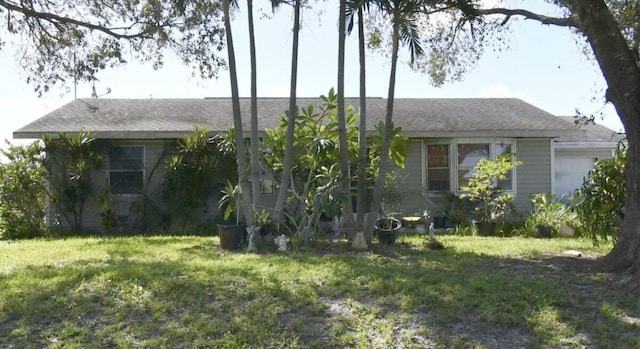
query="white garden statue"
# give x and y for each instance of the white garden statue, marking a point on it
(281, 241)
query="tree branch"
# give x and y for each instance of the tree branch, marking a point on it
(56, 19)
(508, 13)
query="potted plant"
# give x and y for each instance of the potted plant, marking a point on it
(491, 201)
(230, 232)
(547, 214)
(386, 230)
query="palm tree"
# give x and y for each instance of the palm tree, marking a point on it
(255, 163)
(293, 111)
(359, 6)
(402, 14)
(342, 128)
(237, 117)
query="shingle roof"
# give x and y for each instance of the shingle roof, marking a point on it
(594, 133)
(168, 118)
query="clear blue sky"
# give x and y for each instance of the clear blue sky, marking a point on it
(543, 66)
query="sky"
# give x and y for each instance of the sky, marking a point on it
(543, 65)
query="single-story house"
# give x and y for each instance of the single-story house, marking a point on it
(574, 155)
(447, 138)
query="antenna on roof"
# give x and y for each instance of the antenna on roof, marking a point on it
(95, 95)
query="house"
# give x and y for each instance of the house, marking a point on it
(574, 155)
(447, 138)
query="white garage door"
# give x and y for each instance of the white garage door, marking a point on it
(570, 173)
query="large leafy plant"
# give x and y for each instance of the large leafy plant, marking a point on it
(492, 201)
(315, 188)
(22, 192)
(202, 163)
(600, 200)
(70, 161)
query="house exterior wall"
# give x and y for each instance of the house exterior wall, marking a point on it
(155, 151)
(534, 176)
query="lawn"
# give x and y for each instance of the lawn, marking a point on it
(184, 292)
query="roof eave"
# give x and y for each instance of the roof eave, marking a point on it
(492, 133)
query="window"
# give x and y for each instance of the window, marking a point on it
(266, 185)
(456, 161)
(126, 169)
(505, 149)
(438, 167)
(468, 157)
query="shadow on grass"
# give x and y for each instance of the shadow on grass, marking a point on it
(401, 296)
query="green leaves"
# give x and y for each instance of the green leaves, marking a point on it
(70, 161)
(22, 192)
(63, 41)
(492, 201)
(601, 198)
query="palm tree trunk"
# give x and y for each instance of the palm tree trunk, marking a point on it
(362, 151)
(293, 111)
(342, 126)
(255, 141)
(378, 188)
(241, 159)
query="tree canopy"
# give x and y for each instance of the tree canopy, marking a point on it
(61, 41)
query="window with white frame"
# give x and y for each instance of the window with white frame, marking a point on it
(126, 169)
(502, 149)
(266, 185)
(467, 157)
(438, 169)
(442, 167)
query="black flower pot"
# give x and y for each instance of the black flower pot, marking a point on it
(543, 231)
(230, 236)
(386, 230)
(486, 228)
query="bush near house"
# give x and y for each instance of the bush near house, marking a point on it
(600, 200)
(22, 192)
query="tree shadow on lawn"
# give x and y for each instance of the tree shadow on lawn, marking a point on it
(389, 297)
(460, 299)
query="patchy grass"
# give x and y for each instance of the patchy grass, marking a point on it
(184, 292)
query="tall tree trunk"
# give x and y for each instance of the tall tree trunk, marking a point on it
(362, 150)
(342, 126)
(620, 69)
(241, 159)
(293, 111)
(255, 141)
(378, 188)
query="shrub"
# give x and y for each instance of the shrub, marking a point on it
(600, 199)
(201, 164)
(22, 192)
(548, 212)
(70, 161)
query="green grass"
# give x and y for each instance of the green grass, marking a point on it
(184, 292)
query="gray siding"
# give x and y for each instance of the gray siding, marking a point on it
(534, 175)
(409, 183)
(155, 153)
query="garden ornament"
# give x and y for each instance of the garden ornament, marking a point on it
(281, 241)
(251, 231)
(433, 243)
